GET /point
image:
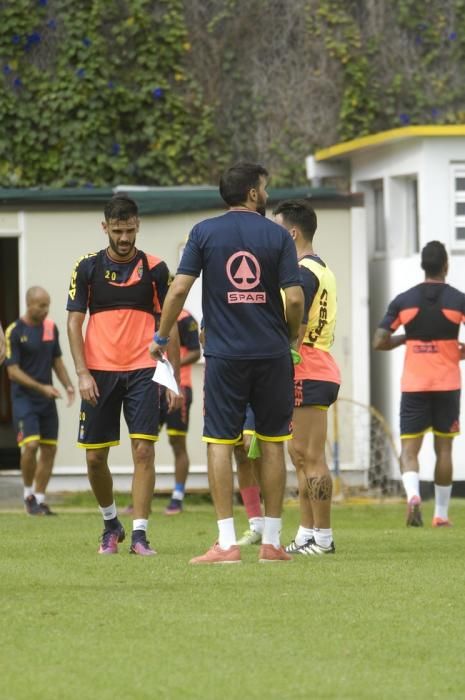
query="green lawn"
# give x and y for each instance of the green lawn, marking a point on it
(383, 618)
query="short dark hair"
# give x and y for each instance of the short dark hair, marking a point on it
(298, 212)
(434, 258)
(120, 207)
(238, 180)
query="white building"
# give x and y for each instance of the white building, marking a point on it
(413, 185)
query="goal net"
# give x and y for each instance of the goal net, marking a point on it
(361, 451)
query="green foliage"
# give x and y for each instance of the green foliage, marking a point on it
(97, 92)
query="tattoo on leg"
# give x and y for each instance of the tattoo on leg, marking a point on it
(319, 488)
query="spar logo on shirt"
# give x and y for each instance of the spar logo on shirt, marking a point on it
(243, 271)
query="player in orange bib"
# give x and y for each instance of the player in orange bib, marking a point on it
(431, 314)
(316, 384)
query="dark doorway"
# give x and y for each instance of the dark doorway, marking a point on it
(9, 312)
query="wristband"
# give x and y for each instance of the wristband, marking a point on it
(159, 340)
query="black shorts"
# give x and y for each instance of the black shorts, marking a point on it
(421, 411)
(136, 393)
(177, 422)
(35, 420)
(231, 384)
(313, 392)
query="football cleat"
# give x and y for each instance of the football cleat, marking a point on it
(46, 509)
(216, 555)
(293, 547)
(441, 522)
(250, 537)
(110, 538)
(174, 507)
(31, 506)
(414, 518)
(140, 545)
(269, 553)
(311, 548)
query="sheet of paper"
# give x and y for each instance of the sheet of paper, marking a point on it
(164, 375)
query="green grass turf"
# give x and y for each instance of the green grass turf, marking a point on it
(383, 618)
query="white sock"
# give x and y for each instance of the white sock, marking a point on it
(323, 537)
(226, 533)
(441, 501)
(28, 491)
(178, 495)
(256, 524)
(108, 512)
(40, 497)
(272, 531)
(303, 535)
(140, 524)
(411, 482)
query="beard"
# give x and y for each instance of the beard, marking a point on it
(122, 251)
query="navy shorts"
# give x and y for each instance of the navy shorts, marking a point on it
(136, 393)
(231, 384)
(313, 392)
(421, 411)
(35, 420)
(177, 422)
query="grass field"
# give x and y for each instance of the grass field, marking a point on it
(383, 618)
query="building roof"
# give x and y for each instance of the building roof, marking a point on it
(383, 138)
(155, 200)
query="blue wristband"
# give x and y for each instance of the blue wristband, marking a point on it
(159, 340)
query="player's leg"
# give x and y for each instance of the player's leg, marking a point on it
(26, 423)
(416, 419)
(48, 418)
(273, 422)
(308, 450)
(140, 407)
(297, 450)
(99, 429)
(446, 415)
(177, 424)
(225, 399)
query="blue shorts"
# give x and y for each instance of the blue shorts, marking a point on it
(421, 411)
(35, 420)
(314, 392)
(230, 384)
(177, 422)
(136, 393)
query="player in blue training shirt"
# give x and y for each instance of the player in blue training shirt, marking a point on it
(245, 260)
(32, 351)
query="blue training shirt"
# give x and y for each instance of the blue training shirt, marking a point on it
(245, 260)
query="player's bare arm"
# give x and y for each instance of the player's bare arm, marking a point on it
(16, 374)
(87, 385)
(384, 340)
(294, 312)
(172, 307)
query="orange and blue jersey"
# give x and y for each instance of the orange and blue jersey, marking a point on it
(245, 260)
(431, 314)
(188, 340)
(33, 349)
(320, 294)
(122, 299)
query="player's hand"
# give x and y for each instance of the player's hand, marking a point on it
(173, 400)
(156, 351)
(71, 394)
(88, 388)
(50, 391)
(462, 351)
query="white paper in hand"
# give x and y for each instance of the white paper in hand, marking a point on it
(164, 375)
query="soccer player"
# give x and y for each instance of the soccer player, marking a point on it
(316, 383)
(177, 422)
(431, 314)
(32, 351)
(123, 289)
(245, 260)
